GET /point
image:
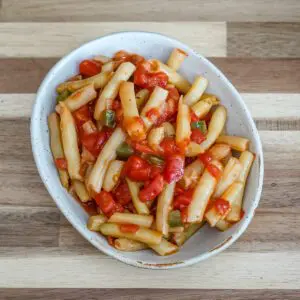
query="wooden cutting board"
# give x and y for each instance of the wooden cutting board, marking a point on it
(256, 44)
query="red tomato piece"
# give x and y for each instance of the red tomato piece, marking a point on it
(214, 171)
(137, 169)
(139, 174)
(178, 190)
(174, 168)
(194, 117)
(129, 228)
(136, 59)
(118, 208)
(206, 158)
(183, 200)
(122, 194)
(184, 215)
(222, 206)
(197, 136)
(169, 146)
(143, 147)
(89, 68)
(157, 79)
(94, 142)
(106, 202)
(155, 170)
(82, 115)
(153, 189)
(61, 163)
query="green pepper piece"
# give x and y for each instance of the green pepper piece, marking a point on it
(175, 218)
(109, 118)
(124, 151)
(155, 160)
(199, 125)
(63, 96)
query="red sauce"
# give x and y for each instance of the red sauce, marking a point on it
(222, 206)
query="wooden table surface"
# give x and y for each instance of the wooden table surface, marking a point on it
(257, 45)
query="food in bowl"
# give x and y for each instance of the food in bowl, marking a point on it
(146, 152)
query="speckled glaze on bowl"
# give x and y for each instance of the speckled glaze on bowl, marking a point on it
(207, 241)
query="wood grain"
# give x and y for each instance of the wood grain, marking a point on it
(154, 10)
(249, 75)
(141, 294)
(54, 269)
(28, 227)
(55, 40)
(263, 39)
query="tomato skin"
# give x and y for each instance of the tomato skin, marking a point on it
(137, 169)
(169, 146)
(214, 171)
(155, 170)
(197, 136)
(94, 142)
(153, 189)
(122, 194)
(106, 202)
(82, 115)
(61, 163)
(143, 147)
(206, 158)
(145, 79)
(129, 228)
(89, 68)
(222, 206)
(174, 168)
(183, 200)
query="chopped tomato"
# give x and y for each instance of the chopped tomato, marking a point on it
(197, 136)
(206, 158)
(61, 163)
(89, 68)
(173, 93)
(143, 147)
(94, 142)
(183, 200)
(155, 170)
(118, 208)
(222, 206)
(129, 228)
(121, 55)
(178, 190)
(174, 168)
(153, 189)
(122, 194)
(184, 215)
(168, 146)
(137, 169)
(136, 59)
(214, 171)
(194, 117)
(106, 202)
(111, 241)
(82, 115)
(145, 79)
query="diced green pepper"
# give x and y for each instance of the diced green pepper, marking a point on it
(124, 151)
(175, 218)
(109, 118)
(199, 125)
(63, 96)
(156, 160)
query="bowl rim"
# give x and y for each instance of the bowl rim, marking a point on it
(130, 261)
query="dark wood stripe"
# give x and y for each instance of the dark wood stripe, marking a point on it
(155, 10)
(250, 75)
(28, 227)
(143, 294)
(257, 75)
(263, 39)
(278, 125)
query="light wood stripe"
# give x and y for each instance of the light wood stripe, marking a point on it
(263, 39)
(155, 10)
(58, 39)
(248, 75)
(283, 107)
(235, 265)
(140, 294)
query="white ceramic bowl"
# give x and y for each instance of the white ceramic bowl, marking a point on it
(207, 241)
